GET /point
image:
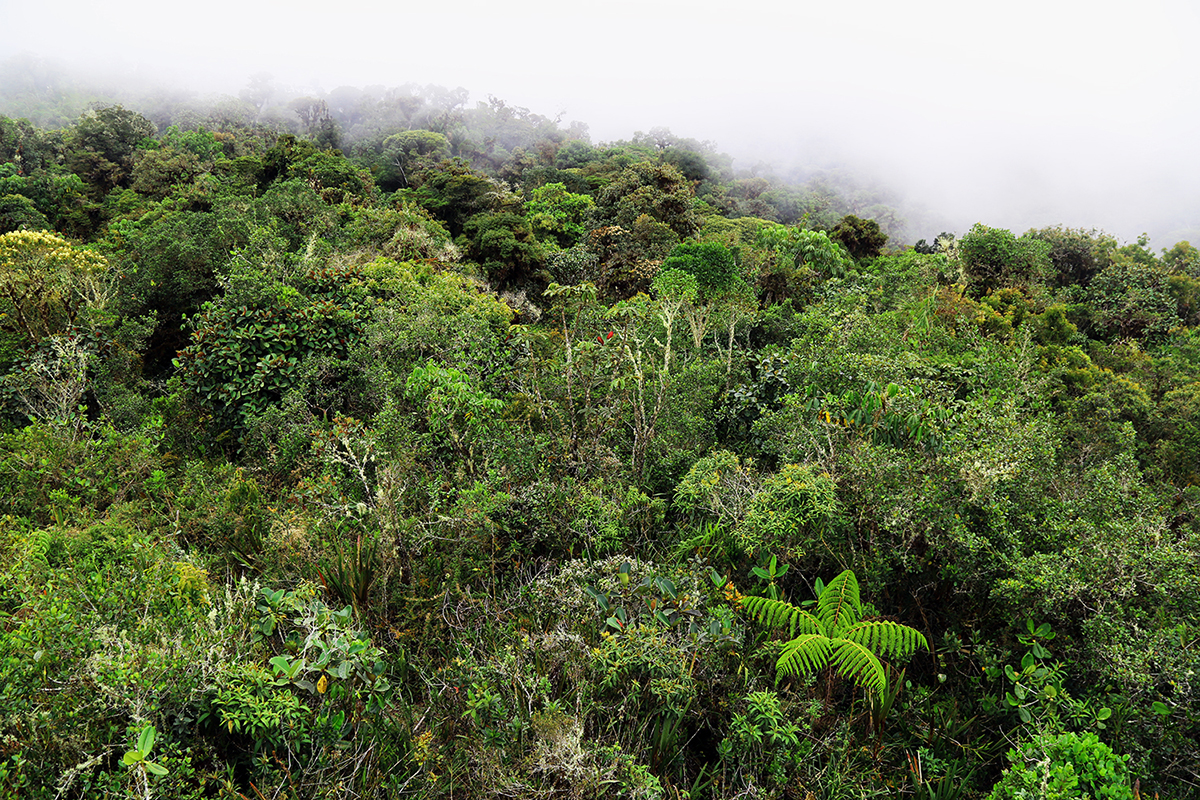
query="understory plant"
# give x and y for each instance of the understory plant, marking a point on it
(836, 636)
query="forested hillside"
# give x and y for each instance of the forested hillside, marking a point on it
(376, 445)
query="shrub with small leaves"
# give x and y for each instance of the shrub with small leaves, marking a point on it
(1064, 767)
(795, 506)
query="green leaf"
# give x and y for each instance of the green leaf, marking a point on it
(132, 757)
(146, 739)
(839, 606)
(778, 613)
(887, 638)
(803, 655)
(157, 769)
(1104, 713)
(859, 665)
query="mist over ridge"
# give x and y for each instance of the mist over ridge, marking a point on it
(1032, 117)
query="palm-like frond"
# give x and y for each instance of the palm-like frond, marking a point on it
(889, 639)
(839, 606)
(836, 637)
(781, 614)
(859, 664)
(803, 655)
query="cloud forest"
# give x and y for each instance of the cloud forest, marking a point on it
(378, 443)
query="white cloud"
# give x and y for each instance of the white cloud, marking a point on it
(1083, 112)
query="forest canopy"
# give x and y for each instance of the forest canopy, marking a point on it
(380, 444)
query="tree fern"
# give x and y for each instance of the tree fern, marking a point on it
(888, 639)
(779, 614)
(836, 636)
(803, 655)
(839, 607)
(859, 664)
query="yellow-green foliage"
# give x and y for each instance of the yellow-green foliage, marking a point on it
(45, 282)
(1185, 289)
(227, 513)
(648, 657)
(112, 624)
(609, 522)
(794, 509)
(1003, 311)
(191, 583)
(1053, 327)
(1069, 367)
(719, 484)
(430, 312)
(1068, 766)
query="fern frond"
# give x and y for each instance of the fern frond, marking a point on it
(781, 614)
(803, 655)
(859, 664)
(886, 638)
(839, 606)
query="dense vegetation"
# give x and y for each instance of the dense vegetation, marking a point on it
(396, 448)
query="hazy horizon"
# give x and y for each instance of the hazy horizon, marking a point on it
(1047, 113)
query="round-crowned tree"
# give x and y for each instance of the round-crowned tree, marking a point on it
(993, 258)
(863, 238)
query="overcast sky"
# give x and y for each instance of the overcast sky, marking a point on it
(1023, 113)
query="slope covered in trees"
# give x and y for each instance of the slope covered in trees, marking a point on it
(399, 448)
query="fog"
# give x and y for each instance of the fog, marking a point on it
(1019, 114)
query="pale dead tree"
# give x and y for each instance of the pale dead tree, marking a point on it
(51, 385)
(351, 446)
(649, 361)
